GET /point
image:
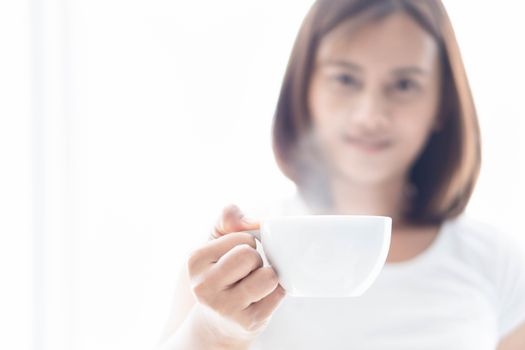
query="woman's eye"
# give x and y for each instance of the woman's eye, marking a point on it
(405, 85)
(346, 80)
(404, 89)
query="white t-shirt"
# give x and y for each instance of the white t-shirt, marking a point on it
(466, 291)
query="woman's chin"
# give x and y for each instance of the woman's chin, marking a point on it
(365, 177)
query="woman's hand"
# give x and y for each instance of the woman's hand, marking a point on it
(236, 295)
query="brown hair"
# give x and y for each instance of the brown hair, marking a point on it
(446, 171)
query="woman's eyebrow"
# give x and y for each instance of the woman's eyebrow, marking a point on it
(341, 63)
(409, 70)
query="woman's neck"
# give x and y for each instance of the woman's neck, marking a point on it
(386, 199)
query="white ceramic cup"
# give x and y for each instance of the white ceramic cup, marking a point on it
(326, 255)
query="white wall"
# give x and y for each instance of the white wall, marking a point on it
(16, 241)
(157, 113)
(490, 37)
(170, 120)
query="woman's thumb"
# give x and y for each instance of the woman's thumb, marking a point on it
(233, 220)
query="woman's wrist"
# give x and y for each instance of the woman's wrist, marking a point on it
(200, 332)
(223, 333)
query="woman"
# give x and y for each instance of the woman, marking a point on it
(375, 117)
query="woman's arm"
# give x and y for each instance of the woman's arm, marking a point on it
(187, 329)
(182, 305)
(515, 340)
(194, 333)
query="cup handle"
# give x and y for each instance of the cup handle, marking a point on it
(255, 233)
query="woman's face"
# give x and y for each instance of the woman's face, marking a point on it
(374, 96)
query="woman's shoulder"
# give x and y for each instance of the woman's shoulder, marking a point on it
(500, 256)
(487, 234)
(487, 246)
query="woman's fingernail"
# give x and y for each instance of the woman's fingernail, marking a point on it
(232, 208)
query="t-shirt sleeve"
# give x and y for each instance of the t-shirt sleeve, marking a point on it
(511, 284)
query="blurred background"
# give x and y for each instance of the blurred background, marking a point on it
(126, 126)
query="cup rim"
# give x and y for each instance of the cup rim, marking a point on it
(352, 216)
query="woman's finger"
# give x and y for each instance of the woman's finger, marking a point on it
(232, 220)
(233, 266)
(212, 251)
(255, 286)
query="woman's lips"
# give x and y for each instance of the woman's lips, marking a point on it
(367, 145)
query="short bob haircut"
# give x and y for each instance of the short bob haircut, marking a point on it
(446, 171)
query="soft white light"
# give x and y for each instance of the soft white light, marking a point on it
(156, 114)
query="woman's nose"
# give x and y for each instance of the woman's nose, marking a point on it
(370, 115)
